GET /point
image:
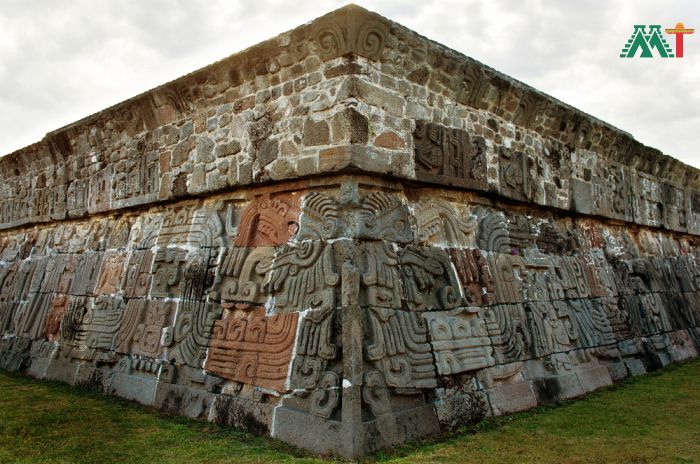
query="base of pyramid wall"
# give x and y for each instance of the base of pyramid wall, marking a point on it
(355, 436)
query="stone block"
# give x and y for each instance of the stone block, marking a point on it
(136, 387)
(184, 401)
(507, 398)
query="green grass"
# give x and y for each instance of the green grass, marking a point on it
(655, 418)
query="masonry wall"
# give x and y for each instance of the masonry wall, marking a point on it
(346, 237)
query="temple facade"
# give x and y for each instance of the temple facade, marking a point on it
(346, 237)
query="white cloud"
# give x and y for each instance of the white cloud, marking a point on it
(60, 61)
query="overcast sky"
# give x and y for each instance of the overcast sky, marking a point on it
(61, 60)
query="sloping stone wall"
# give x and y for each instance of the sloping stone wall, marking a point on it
(346, 237)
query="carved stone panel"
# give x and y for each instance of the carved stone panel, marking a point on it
(460, 341)
(648, 200)
(397, 347)
(478, 286)
(87, 272)
(514, 174)
(539, 282)
(137, 278)
(612, 192)
(693, 203)
(141, 327)
(303, 277)
(168, 272)
(18, 278)
(252, 348)
(59, 307)
(675, 213)
(89, 330)
(508, 284)
(601, 279)
(590, 322)
(449, 156)
(57, 202)
(428, 279)
(383, 216)
(144, 231)
(269, 220)
(136, 178)
(175, 228)
(207, 230)
(509, 332)
(197, 275)
(242, 274)
(77, 197)
(111, 273)
(100, 189)
(102, 325)
(379, 275)
(493, 234)
(191, 333)
(553, 334)
(32, 321)
(353, 34)
(439, 223)
(320, 217)
(647, 315)
(316, 348)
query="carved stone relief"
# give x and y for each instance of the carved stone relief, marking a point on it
(136, 178)
(242, 273)
(397, 347)
(168, 272)
(111, 273)
(142, 325)
(439, 223)
(379, 275)
(303, 277)
(448, 155)
(175, 227)
(192, 331)
(478, 286)
(675, 213)
(269, 220)
(460, 341)
(514, 174)
(87, 271)
(428, 279)
(383, 216)
(137, 277)
(252, 348)
(316, 348)
(89, 329)
(612, 192)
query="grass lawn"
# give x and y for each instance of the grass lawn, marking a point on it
(655, 418)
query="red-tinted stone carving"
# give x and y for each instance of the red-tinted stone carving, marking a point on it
(249, 347)
(111, 274)
(474, 275)
(269, 220)
(59, 307)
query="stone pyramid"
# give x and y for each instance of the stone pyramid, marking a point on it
(346, 237)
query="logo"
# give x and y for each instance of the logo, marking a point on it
(648, 41)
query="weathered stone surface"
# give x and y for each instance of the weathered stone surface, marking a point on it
(346, 237)
(249, 347)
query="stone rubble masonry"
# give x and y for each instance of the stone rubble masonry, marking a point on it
(346, 237)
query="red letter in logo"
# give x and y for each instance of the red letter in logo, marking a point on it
(679, 31)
